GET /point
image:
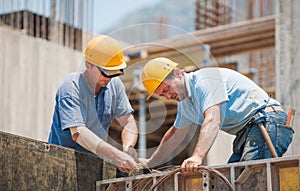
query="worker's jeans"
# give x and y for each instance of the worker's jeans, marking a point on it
(255, 147)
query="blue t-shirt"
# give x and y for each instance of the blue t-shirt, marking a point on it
(78, 105)
(240, 98)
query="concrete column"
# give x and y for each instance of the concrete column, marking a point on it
(287, 61)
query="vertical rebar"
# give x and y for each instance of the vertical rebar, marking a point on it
(142, 126)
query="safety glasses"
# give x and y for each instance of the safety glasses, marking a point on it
(110, 73)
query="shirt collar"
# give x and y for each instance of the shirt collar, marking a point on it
(187, 84)
(91, 90)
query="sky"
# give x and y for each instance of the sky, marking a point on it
(107, 13)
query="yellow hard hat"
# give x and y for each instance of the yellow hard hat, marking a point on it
(105, 52)
(155, 71)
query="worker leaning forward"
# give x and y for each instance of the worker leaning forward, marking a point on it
(215, 98)
(87, 102)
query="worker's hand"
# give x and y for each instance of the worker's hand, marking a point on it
(191, 164)
(144, 162)
(132, 152)
(126, 163)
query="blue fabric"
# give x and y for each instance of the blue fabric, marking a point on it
(77, 105)
(255, 147)
(239, 97)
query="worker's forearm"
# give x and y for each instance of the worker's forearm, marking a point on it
(170, 141)
(121, 159)
(209, 131)
(93, 143)
(206, 139)
(109, 152)
(129, 135)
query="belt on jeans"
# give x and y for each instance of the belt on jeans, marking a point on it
(273, 108)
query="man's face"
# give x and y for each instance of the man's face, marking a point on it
(167, 89)
(99, 78)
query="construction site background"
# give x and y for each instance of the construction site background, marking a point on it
(32, 67)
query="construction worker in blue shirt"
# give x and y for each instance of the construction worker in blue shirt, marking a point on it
(215, 98)
(87, 102)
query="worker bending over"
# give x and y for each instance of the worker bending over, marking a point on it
(215, 98)
(87, 102)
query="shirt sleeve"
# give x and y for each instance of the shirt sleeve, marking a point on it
(210, 91)
(181, 120)
(71, 112)
(123, 106)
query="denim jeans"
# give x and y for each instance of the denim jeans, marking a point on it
(255, 147)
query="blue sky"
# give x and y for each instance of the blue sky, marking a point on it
(109, 12)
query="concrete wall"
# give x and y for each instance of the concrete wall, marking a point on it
(287, 61)
(31, 70)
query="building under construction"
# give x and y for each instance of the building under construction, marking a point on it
(259, 39)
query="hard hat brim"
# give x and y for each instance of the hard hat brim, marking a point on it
(112, 73)
(121, 66)
(149, 96)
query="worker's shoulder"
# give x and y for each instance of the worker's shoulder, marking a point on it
(215, 69)
(70, 78)
(212, 72)
(116, 81)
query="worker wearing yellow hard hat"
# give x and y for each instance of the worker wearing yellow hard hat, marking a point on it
(87, 102)
(215, 98)
(155, 72)
(106, 53)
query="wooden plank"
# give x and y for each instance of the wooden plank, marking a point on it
(227, 35)
(66, 35)
(230, 44)
(78, 39)
(25, 21)
(60, 32)
(37, 25)
(29, 164)
(243, 39)
(289, 179)
(43, 28)
(31, 24)
(210, 35)
(19, 20)
(242, 48)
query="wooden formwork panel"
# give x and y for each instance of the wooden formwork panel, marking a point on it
(276, 174)
(288, 180)
(28, 164)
